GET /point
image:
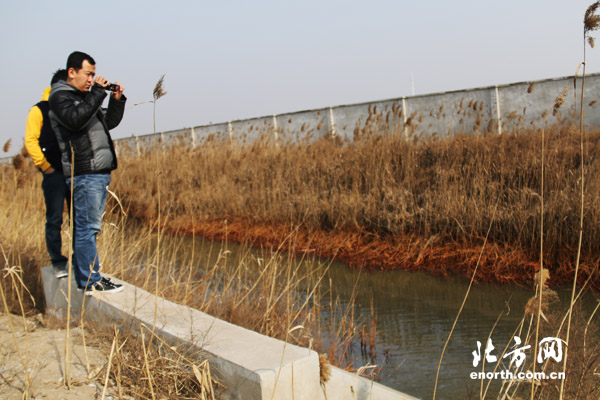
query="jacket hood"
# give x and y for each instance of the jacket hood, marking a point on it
(47, 91)
(62, 85)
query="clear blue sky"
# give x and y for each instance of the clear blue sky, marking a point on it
(227, 60)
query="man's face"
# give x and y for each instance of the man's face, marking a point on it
(83, 78)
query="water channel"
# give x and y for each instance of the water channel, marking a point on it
(415, 313)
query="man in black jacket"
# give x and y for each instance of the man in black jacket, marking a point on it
(82, 131)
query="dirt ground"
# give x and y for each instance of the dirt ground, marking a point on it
(41, 351)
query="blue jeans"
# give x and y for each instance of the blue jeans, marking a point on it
(89, 201)
(55, 192)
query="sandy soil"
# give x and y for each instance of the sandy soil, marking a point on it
(41, 351)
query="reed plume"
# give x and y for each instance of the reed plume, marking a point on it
(548, 296)
(18, 162)
(560, 100)
(159, 91)
(324, 368)
(591, 21)
(7, 146)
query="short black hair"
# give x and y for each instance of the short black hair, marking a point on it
(77, 58)
(59, 75)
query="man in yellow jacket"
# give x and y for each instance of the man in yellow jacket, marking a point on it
(42, 146)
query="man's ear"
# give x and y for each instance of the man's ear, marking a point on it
(71, 73)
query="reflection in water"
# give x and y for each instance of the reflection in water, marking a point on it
(415, 312)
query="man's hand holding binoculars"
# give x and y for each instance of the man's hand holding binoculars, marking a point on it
(116, 89)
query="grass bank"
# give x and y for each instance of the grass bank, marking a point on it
(270, 292)
(384, 201)
(266, 201)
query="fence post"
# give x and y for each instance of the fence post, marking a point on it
(332, 121)
(275, 132)
(498, 114)
(137, 147)
(404, 115)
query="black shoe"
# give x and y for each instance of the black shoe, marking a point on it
(104, 285)
(107, 281)
(60, 272)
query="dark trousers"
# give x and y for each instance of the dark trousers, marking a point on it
(56, 192)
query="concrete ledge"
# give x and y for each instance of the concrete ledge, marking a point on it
(344, 385)
(250, 365)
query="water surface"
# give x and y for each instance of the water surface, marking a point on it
(415, 312)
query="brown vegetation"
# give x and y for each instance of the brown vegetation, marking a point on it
(268, 293)
(584, 353)
(380, 202)
(383, 201)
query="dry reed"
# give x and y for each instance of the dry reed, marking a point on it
(269, 293)
(440, 193)
(386, 188)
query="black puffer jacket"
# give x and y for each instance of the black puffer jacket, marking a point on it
(79, 121)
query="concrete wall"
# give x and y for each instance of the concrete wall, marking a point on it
(497, 109)
(490, 109)
(250, 365)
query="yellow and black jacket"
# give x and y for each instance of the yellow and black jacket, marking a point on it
(40, 140)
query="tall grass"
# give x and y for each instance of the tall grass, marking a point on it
(385, 200)
(271, 292)
(591, 22)
(442, 190)
(22, 235)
